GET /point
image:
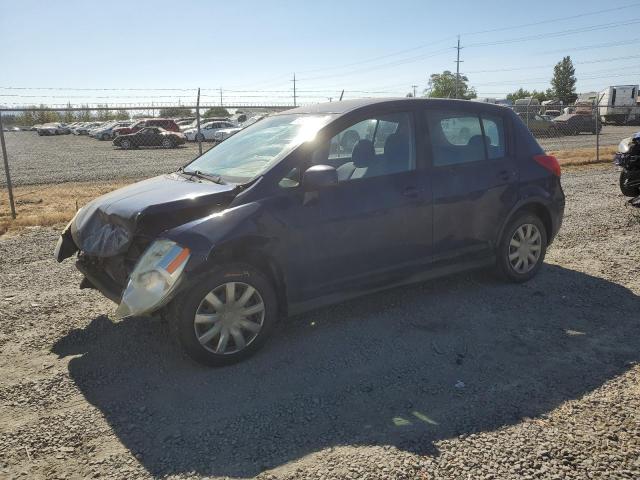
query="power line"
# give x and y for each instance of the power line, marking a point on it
(599, 60)
(560, 33)
(552, 20)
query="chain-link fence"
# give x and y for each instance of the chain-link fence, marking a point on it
(115, 145)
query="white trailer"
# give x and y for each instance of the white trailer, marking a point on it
(619, 104)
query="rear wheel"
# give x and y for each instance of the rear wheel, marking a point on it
(105, 136)
(522, 248)
(167, 143)
(199, 137)
(626, 189)
(227, 315)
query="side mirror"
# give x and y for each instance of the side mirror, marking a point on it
(319, 176)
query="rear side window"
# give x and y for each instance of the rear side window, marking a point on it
(494, 136)
(456, 137)
(460, 137)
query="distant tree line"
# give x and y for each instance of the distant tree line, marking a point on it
(563, 86)
(37, 117)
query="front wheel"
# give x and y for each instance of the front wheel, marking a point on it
(105, 136)
(167, 143)
(522, 248)
(627, 189)
(199, 137)
(126, 144)
(226, 316)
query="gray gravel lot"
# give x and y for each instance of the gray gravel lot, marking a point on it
(462, 377)
(38, 160)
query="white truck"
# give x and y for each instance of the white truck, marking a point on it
(619, 104)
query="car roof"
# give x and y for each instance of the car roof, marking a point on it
(347, 106)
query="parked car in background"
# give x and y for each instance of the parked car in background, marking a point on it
(539, 125)
(207, 131)
(224, 133)
(53, 129)
(150, 137)
(164, 123)
(575, 123)
(281, 218)
(194, 124)
(105, 132)
(83, 129)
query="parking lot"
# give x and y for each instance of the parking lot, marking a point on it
(462, 377)
(37, 160)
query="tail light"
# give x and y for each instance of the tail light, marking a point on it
(549, 162)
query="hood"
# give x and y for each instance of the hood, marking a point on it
(107, 225)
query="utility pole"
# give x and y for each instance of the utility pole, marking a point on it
(294, 91)
(414, 90)
(458, 47)
(220, 96)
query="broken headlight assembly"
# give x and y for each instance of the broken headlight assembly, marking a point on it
(153, 279)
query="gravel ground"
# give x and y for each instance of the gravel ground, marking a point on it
(38, 160)
(462, 377)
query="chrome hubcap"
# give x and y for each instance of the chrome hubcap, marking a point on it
(229, 318)
(525, 248)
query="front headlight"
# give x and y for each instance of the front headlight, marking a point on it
(154, 278)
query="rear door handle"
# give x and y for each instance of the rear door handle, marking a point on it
(504, 175)
(411, 192)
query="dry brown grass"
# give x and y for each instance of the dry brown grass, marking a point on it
(583, 156)
(43, 205)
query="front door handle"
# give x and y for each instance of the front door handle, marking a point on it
(411, 192)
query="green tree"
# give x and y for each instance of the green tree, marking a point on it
(27, 117)
(68, 117)
(175, 112)
(216, 112)
(122, 115)
(522, 93)
(84, 115)
(443, 85)
(563, 82)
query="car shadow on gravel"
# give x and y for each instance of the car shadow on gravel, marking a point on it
(404, 368)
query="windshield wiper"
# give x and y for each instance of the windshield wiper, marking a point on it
(207, 176)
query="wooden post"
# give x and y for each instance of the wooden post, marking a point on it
(6, 169)
(198, 137)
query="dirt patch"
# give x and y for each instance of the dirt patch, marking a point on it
(46, 205)
(584, 156)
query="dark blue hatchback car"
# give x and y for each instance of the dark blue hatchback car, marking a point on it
(315, 205)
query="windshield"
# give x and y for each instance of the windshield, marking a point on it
(251, 151)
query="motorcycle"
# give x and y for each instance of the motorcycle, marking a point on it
(628, 159)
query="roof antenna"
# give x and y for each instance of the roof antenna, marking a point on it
(341, 95)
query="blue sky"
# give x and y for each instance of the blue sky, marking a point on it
(252, 48)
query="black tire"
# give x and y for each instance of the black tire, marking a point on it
(199, 137)
(182, 311)
(627, 190)
(168, 143)
(105, 136)
(126, 144)
(504, 267)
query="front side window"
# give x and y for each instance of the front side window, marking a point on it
(251, 151)
(377, 146)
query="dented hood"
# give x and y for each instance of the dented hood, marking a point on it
(106, 226)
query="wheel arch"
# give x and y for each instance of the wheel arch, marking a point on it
(537, 206)
(251, 251)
